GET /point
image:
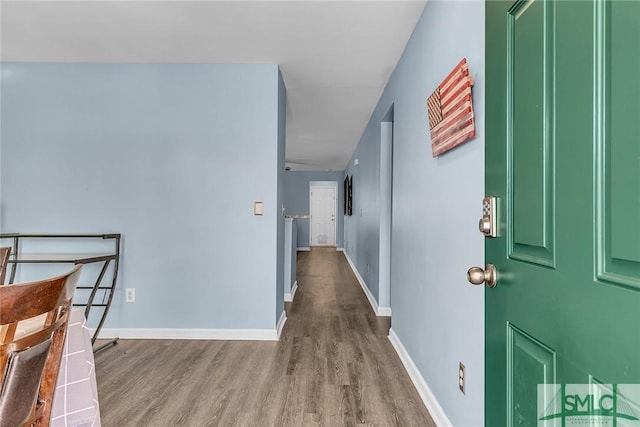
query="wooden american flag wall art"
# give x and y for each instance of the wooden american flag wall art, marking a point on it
(450, 111)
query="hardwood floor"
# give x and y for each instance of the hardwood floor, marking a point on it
(333, 366)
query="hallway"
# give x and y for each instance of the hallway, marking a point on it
(333, 366)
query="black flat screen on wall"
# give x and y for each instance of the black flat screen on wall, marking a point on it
(345, 195)
(348, 195)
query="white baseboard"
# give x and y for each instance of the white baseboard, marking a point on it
(430, 401)
(340, 249)
(289, 296)
(384, 312)
(304, 248)
(196, 334)
(379, 311)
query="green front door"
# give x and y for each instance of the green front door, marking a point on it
(563, 157)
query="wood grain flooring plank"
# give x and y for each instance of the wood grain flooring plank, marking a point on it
(333, 366)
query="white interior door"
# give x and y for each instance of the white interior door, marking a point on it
(323, 215)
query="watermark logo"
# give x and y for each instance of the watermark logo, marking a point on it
(590, 405)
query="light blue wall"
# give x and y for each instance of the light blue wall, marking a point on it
(296, 189)
(437, 315)
(290, 254)
(170, 155)
(282, 131)
(362, 228)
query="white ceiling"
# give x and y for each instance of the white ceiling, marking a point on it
(335, 56)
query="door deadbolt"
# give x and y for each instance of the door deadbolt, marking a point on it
(478, 276)
(485, 225)
(488, 224)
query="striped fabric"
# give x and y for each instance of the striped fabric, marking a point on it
(451, 111)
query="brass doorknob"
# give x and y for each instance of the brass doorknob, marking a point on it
(478, 276)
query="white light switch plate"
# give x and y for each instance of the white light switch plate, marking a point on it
(257, 208)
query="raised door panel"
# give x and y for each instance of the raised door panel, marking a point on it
(529, 363)
(618, 154)
(530, 139)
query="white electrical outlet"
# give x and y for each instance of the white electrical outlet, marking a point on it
(130, 295)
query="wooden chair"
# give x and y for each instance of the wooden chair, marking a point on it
(29, 363)
(4, 258)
